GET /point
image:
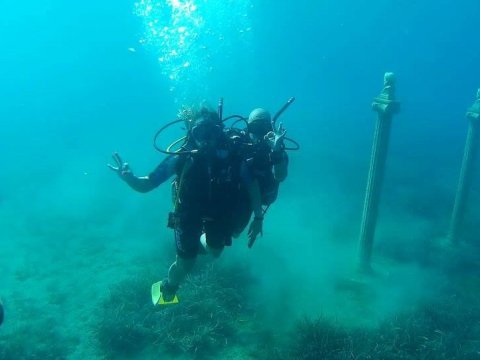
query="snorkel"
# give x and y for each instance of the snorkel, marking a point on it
(274, 121)
(282, 109)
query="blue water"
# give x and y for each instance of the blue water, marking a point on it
(81, 80)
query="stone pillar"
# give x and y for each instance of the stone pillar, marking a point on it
(386, 106)
(466, 174)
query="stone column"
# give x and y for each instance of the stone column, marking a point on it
(466, 174)
(386, 106)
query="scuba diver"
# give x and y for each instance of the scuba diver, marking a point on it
(222, 176)
(208, 170)
(267, 162)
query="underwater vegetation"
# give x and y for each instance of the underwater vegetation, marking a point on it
(221, 317)
(211, 314)
(219, 312)
(447, 328)
(39, 340)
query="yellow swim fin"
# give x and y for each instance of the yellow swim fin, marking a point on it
(157, 296)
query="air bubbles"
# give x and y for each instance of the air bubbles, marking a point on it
(185, 34)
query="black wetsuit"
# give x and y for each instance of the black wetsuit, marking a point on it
(259, 161)
(208, 186)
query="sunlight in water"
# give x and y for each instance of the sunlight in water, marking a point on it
(190, 37)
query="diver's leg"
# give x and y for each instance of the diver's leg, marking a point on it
(179, 270)
(187, 234)
(241, 214)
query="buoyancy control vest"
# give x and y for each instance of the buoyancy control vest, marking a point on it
(208, 181)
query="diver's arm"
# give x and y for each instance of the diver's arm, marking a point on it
(253, 189)
(278, 155)
(144, 184)
(256, 225)
(279, 159)
(255, 198)
(141, 184)
(163, 171)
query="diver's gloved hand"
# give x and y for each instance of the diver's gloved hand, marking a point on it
(276, 137)
(120, 167)
(256, 228)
